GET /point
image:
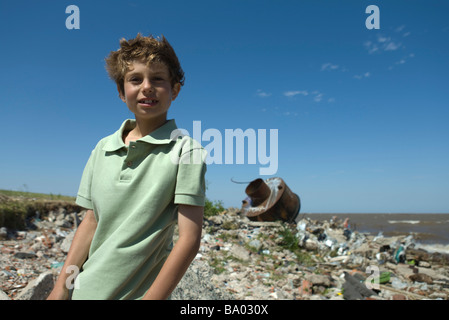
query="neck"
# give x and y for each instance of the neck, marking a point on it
(143, 128)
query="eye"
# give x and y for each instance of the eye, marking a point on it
(134, 80)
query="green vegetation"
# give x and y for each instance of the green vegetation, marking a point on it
(212, 208)
(32, 195)
(217, 263)
(290, 242)
(17, 206)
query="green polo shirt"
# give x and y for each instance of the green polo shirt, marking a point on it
(134, 192)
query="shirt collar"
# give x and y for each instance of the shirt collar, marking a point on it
(162, 135)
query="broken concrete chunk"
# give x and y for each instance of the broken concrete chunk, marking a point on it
(38, 289)
(4, 296)
(25, 255)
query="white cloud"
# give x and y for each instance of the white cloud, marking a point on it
(392, 46)
(329, 66)
(382, 39)
(294, 93)
(400, 28)
(403, 60)
(371, 47)
(382, 44)
(361, 76)
(262, 94)
(318, 97)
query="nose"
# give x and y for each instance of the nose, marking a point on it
(147, 86)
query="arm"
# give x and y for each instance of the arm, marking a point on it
(76, 256)
(190, 221)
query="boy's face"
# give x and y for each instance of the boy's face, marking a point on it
(148, 92)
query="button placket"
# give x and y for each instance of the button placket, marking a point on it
(127, 169)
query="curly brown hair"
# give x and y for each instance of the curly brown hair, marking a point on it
(147, 50)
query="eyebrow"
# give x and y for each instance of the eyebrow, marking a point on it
(155, 73)
(159, 73)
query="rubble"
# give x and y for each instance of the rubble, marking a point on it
(249, 260)
(31, 259)
(38, 289)
(354, 288)
(310, 260)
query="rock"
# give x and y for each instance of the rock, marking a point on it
(67, 242)
(240, 253)
(219, 219)
(421, 277)
(424, 264)
(76, 219)
(435, 295)
(353, 289)
(3, 233)
(398, 284)
(38, 289)
(402, 270)
(24, 255)
(196, 285)
(4, 296)
(255, 244)
(306, 288)
(422, 255)
(63, 222)
(319, 280)
(311, 245)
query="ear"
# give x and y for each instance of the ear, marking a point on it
(120, 94)
(175, 91)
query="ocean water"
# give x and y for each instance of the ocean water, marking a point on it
(430, 231)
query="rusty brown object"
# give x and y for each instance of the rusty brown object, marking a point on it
(271, 200)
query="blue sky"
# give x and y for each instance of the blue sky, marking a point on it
(362, 115)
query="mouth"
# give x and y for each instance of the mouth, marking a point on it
(148, 102)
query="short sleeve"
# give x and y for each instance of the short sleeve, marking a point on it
(190, 182)
(83, 197)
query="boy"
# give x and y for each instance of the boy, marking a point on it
(136, 183)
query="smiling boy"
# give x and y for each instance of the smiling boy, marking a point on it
(134, 191)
